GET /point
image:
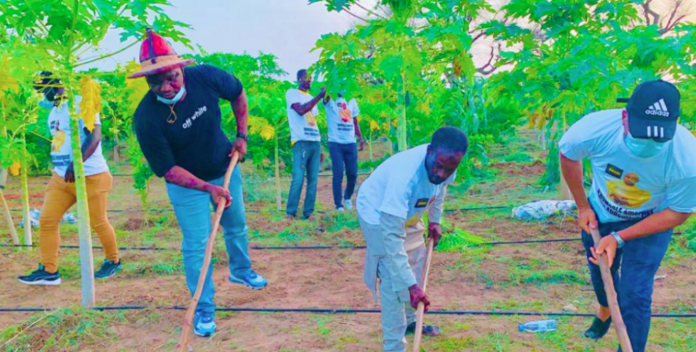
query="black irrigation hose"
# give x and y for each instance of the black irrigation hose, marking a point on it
(351, 311)
(68, 246)
(164, 210)
(131, 175)
(495, 243)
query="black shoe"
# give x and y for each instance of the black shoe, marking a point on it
(41, 277)
(428, 330)
(598, 329)
(108, 269)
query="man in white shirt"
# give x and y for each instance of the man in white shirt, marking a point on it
(391, 204)
(306, 144)
(342, 120)
(643, 185)
(60, 192)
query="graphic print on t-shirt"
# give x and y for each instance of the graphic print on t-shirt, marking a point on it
(60, 152)
(58, 138)
(345, 113)
(625, 192)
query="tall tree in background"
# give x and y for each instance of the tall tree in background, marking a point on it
(65, 31)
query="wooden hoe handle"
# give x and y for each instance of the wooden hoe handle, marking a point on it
(616, 317)
(188, 320)
(420, 311)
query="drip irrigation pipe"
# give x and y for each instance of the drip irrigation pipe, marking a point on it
(131, 175)
(351, 311)
(164, 210)
(496, 243)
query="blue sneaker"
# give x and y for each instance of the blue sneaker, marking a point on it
(251, 280)
(204, 324)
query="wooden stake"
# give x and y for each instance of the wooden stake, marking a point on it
(188, 320)
(420, 311)
(616, 317)
(8, 219)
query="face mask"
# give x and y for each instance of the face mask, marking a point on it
(45, 104)
(176, 98)
(643, 148)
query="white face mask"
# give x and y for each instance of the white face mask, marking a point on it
(643, 148)
(176, 98)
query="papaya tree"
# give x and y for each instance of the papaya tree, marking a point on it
(65, 31)
(415, 49)
(18, 114)
(568, 58)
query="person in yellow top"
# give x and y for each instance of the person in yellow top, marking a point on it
(306, 144)
(626, 193)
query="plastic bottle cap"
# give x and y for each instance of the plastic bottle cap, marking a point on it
(520, 327)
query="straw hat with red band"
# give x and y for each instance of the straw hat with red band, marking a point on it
(157, 56)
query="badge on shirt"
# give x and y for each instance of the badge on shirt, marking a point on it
(614, 171)
(421, 203)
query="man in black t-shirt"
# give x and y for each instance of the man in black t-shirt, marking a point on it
(178, 125)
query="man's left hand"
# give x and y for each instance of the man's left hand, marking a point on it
(609, 245)
(70, 173)
(362, 144)
(434, 233)
(240, 145)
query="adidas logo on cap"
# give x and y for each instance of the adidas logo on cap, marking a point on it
(658, 108)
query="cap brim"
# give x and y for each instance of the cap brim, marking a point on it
(652, 128)
(156, 70)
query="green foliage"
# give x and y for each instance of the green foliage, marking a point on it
(459, 240)
(568, 58)
(67, 329)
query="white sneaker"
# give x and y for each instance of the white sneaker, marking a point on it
(349, 204)
(340, 209)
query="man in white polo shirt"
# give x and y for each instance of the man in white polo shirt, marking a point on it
(391, 204)
(306, 144)
(60, 192)
(342, 120)
(643, 185)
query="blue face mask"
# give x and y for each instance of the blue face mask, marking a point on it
(176, 98)
(45, 104)
(643, 148)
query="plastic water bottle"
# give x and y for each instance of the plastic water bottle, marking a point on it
(539, 326)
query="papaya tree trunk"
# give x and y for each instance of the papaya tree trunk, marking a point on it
(277, 175)
(369, 146)
(24, 169)
(3, 179)
(116, 156)
(83, 226)
(401, 115)
(8, 219)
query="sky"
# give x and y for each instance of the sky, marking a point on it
(285, 28)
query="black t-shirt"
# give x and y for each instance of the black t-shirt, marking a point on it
(195, 141)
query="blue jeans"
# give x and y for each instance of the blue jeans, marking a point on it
(638, 260)
(305, 156)
(343, 155)
(192, 209)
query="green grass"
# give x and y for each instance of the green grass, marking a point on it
(66, 329)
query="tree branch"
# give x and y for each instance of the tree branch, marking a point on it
(489, 68)
(369, 11)
(649, 11)
(354, 15)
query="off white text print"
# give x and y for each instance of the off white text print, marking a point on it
(189, 122)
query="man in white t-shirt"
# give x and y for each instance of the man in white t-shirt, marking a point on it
(643, 185)
(60, 192)
(391, 204)
(306, 144)
(342, 120)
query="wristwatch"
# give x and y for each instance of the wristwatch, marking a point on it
(242, 136)
(618, 238)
